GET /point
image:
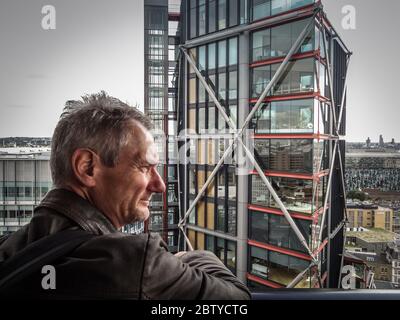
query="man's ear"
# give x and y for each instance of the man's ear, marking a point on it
(84, 164)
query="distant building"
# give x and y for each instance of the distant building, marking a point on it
(368, 142)
(396, 221)
(364, 274)
(381, 142)
(368, 240)
(393, 257)
(377, 263)
(24, 180)
(373, 170)
(369, 216)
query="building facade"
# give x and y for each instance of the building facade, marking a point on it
(370, 216)
(373, 170)
(160, 56)
(377, 263)
(285, 60)
(393, 257)
(24, 180)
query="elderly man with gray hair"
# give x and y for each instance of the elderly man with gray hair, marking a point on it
(104, 169)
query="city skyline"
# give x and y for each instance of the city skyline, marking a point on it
(103, 49)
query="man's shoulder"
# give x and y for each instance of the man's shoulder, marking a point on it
(123, 244)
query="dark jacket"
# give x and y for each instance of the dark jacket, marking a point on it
(116, 265)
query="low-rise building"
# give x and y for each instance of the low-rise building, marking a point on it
(369, 216)
(368, 240)
(377, 263)
(393, 257)
(24, 180)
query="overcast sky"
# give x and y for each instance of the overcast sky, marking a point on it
(98, 44)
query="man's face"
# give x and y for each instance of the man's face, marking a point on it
(123, 193)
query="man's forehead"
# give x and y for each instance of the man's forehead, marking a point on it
(152, 154)
(143, 148)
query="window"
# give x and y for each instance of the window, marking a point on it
(211, 56)
(193, 19)
(220, 249)
(221, 14)
(261, 78)
(202, 93)
(281, 40)
(232, 85)
(233, 48)
(202, 119)
(221, 54)
(202, 58)
(210, 245)
(277, 267)
(211, 16)
(192, 91)
(221, 218)
(232, 220)
(261, 45)
(233, 12)
(292, 155)
(192, 181)
(231, 256)
(275, 230)
(299, 77)
(243, 11)
(261, 8)
(296, 194)
(211, 117)
(233, 113)
(222, 86)
(202, 17)
(277, 41)
(265, 8)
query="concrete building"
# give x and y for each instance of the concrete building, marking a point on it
(370, 216)
(377, 263)
(264, 65)
(396, 221)
(24, 180)
(368, 240)
(393, 257)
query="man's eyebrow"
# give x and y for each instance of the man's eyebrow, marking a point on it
(143, 163)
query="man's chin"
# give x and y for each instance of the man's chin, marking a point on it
(144, 214)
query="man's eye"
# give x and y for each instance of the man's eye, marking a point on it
(145, 169)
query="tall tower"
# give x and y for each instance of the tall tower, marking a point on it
(279, 69)
(160, 49)
(368, 142)
(381, 142)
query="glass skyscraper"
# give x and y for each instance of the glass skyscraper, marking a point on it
(238, 47)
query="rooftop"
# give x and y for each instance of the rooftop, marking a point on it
(372, 235)
(40, 153)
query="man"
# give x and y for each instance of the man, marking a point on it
(103, 164)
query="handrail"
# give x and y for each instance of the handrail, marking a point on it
(325, 294)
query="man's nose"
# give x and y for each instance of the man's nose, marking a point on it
(156, 184)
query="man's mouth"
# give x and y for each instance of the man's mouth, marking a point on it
(146, 202)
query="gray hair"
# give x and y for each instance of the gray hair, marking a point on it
(98, 122)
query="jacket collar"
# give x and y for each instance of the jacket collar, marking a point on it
(76, 208)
